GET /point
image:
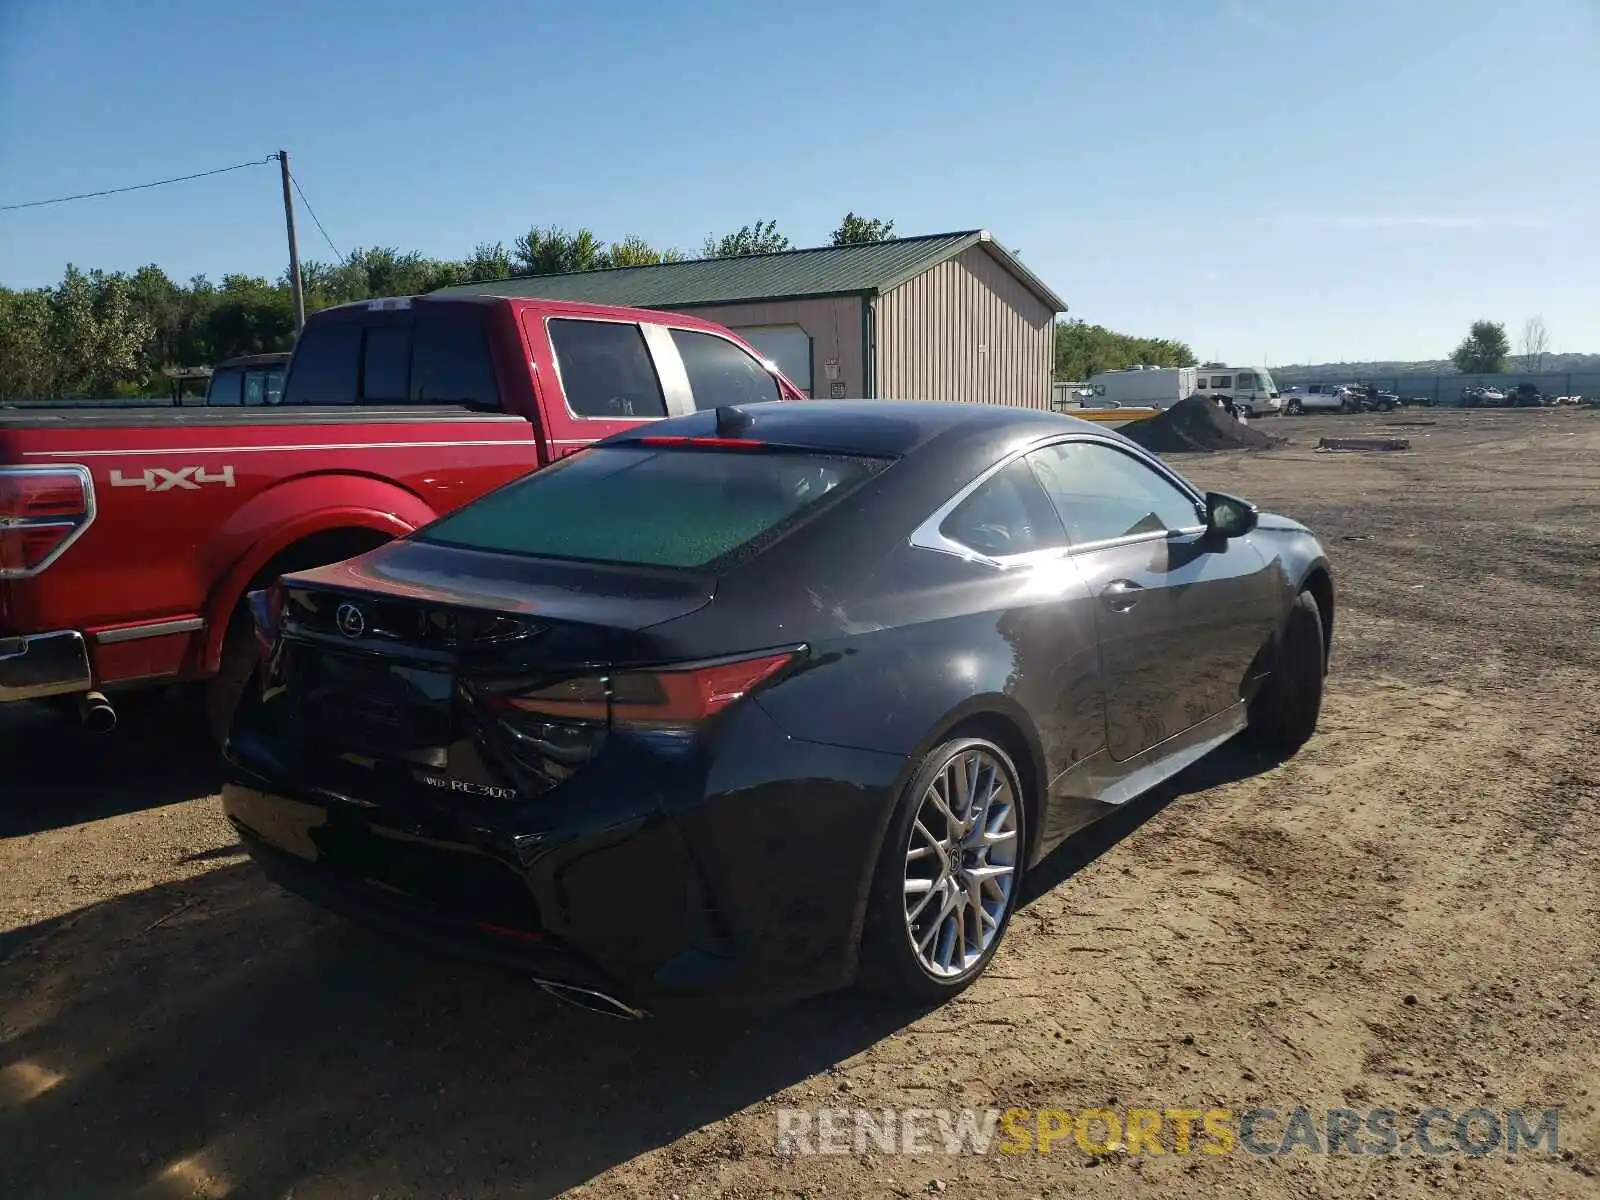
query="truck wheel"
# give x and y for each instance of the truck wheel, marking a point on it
(1284, 713)
(237, 669)
(1294, 408)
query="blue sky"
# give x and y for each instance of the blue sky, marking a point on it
(1272, 179)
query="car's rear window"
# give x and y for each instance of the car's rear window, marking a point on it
(676, 507)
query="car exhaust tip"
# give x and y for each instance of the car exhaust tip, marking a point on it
(592, 1001)
(96, 713)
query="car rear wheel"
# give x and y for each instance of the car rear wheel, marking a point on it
(1284, 714)
(948, 876)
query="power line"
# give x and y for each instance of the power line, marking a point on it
(315, 219)
(255, 162)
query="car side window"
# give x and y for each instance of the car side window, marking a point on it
(720, 373)
(1009, 514)
(606, 369)
(1246, 381)
(1201, 383)
(1102, 493)
(1222, 381)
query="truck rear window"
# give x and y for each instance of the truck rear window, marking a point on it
(419, 358)
(667, 508)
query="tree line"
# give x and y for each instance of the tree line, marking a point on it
(113, 334)
(1083, 350)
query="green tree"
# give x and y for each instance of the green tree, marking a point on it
(95, 334)
(1083, 350)
(489, 261)
(634, 251)
(554, 251)
(761, 238)
(27, 358)
(855, 231)
(1484, 351)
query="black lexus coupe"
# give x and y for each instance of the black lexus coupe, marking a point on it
(765, 701)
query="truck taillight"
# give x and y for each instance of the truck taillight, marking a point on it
(43, 510)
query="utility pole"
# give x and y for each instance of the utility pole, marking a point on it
(294, 248)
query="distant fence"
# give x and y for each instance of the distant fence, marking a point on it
(1446, 389)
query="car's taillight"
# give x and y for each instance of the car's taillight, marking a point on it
(43, 510)
(682, 697)
(551, 730)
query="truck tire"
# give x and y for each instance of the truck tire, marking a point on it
(1284, 713)
(237, 668)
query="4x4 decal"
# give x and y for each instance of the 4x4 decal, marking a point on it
(159, 479)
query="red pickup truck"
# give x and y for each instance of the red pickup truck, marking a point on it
(128, 538)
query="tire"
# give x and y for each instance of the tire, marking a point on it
(237, 668)
(1294, 408)
(891, 962)
(1284, 713)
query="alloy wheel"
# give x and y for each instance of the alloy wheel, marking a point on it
(961, 864)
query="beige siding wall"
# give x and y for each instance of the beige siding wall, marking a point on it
(834, 324)
(966, 330)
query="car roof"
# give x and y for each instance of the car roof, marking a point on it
(869, 427)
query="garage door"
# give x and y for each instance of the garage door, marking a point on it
(787, 345)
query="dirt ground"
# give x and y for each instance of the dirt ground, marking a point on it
(1406, 914)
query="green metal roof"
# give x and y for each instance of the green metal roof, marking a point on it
(827, 271)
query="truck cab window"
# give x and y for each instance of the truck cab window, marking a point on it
(606, 369)
(386, 364)
(720, 373)
(224, 389)
(450, 362)
(325, 364)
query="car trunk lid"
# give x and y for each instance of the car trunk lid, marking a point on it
(473, 673)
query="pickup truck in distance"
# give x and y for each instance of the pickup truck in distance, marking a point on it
(129, 537)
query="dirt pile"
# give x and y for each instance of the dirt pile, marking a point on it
(1197, 424)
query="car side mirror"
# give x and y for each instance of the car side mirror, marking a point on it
(1229, 516)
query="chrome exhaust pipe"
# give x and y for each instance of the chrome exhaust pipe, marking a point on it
(591, 1000)
(96, 713)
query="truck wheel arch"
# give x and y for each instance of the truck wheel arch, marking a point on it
(312, 539)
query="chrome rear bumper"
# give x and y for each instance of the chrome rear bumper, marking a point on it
(44, 664)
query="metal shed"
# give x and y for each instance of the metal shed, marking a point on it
(949, 316)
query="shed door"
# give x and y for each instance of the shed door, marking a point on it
(787, 345)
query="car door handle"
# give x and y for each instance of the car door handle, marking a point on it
(1122, 594)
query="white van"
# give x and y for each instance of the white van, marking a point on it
(1250, 389)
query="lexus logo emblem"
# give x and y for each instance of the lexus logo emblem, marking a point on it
(350, 621)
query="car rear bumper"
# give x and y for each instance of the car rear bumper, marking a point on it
(44, 664)
(658, 883)
(543, 959)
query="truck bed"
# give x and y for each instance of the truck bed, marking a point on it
(166, 416)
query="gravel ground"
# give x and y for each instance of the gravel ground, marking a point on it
(1404, 915)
